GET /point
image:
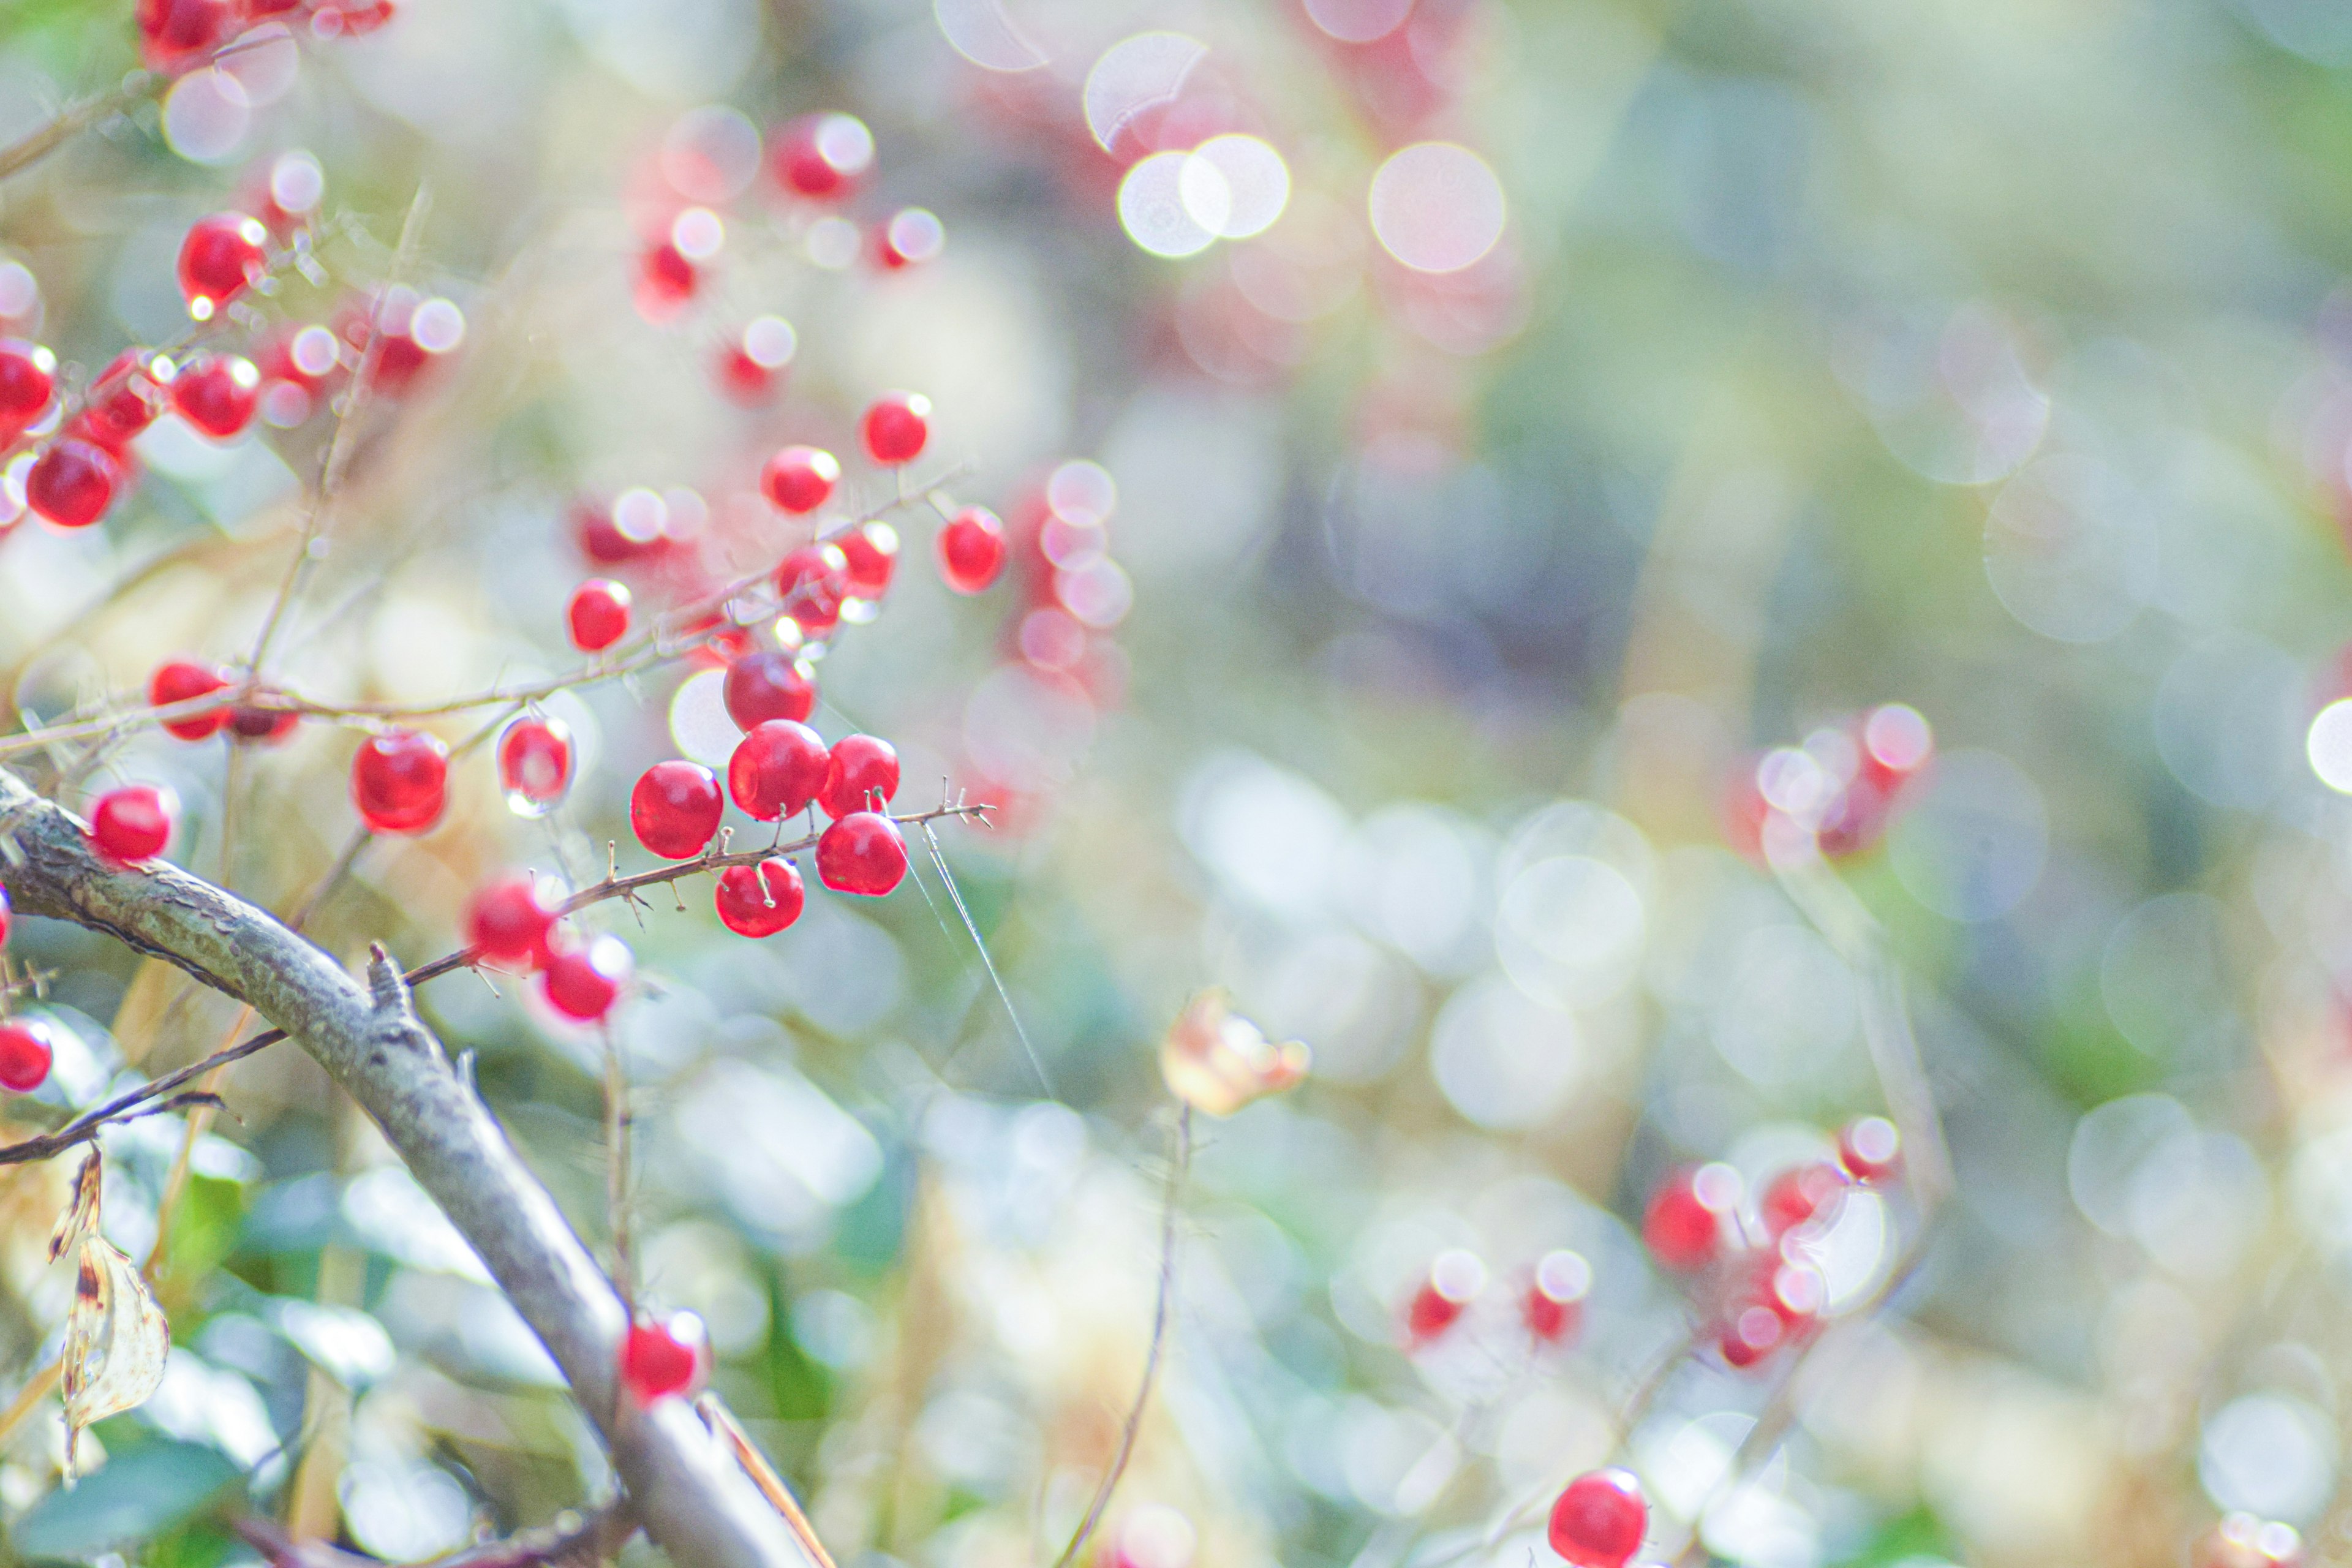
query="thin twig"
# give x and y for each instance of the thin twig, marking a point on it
(721, 1420)
(338, 457)
(1134, 1423)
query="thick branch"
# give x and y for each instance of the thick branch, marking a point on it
(692, 1498)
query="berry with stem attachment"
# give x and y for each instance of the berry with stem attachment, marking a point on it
(675, 809)
(778, 768)
(863, 853)
(861, 775)
(821, 157)
(400, 781)
(871, 553)
(28, 375)
(759, 900)
(810, 582)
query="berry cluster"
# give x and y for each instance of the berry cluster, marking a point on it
(82, 457)
(1837, 793)
(1758, 1284)
(1547, 1304)
(175, 35)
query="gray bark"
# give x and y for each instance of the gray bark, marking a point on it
(687, 1491)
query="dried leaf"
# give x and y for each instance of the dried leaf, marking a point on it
(1217, 1061)
(116, 1336)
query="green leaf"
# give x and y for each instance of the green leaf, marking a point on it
(135, 1495)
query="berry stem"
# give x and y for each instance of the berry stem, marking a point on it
(1177, 1169)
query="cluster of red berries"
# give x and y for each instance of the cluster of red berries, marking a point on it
(1838, 792)
(1763, 1291)
(819, 163)
(175, 35)
(79, 470)
(1548, 1301)
(517, 921)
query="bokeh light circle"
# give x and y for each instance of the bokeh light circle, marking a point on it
(1437, 206)
(1240, 179)
(1153, 208)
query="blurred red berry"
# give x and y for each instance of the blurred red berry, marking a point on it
(820, 156)
(217, 394)
(26, 1050)
(1599, 1520)
(1870, 1148)
(598, 615)
(895, 427)
(659, 1359)
(970, 549)
(134, 823)
(799, 479)
(220, 259)
(184, 681)
(399, 781)
(535, 765)
(583, 983)
(1683, 1225)
(511, 918)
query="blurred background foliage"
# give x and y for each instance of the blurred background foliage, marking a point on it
(1990, 358)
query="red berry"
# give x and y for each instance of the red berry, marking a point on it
(750, 367)
(665, 1357)
(399, 781)
(822, 155)
(26, 1048)
(182, 681)
(1801, 1195)
(862, 775)
(799, 479)
(1599, 1520)
(4, 917)
(1754, 1332)
(599, 615)
(124, 399)
(217, 394)
(777, 769)
(266, 726)
(768, 685)
(896, 427)
(759, 902)
(511, 918)
(172, 32)
(811, 584)
(862, 853)
(72, 483)
(1455, 1280)
(910, 236)
(28, 373)
(134, 823)
(1553, 1307)
(872, 552)
(583, 981)
(535, 765)
(972, 550)
(666, 279)
(1682, 1224)
(221, 258)
(1870, 1149)
(675, 808)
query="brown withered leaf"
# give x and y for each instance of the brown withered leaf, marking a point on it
(116, 1336)
(1217, 1061)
